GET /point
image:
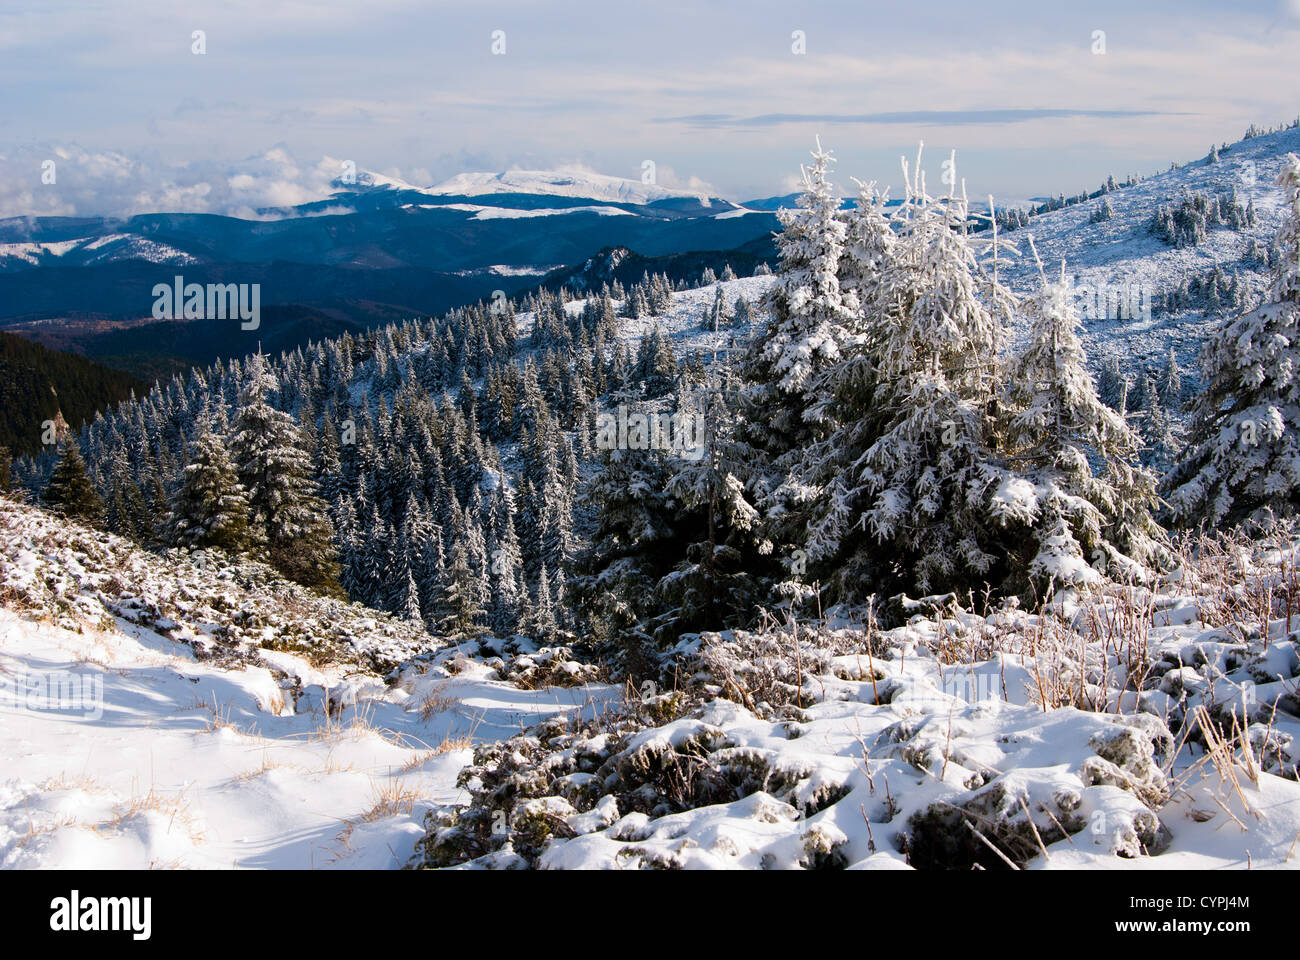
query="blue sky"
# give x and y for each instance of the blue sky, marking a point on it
(711, 91)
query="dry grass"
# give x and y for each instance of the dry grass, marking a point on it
(266, 766)
(393, 799)
(34, 831)
(176, 807)
(436, 701)
(219, 719)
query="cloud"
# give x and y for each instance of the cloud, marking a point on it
(88, 182)
(944, 117)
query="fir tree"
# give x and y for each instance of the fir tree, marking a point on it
(810, 318)
(70, 491)
(285, 511)
(463, 613)
(714, 586)
(542, 624)
(210, 508)
(1062, 514)
(1243, 458)
(909, 457)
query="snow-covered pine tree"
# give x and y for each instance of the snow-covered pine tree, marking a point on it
(463, 613)
(1171, 381)
(634, 543)
(912, 460)
(811, 319)
(506, 565)
(210, 508)
(542, 624)
(1062, 516)
(719, 315)
(70, 490)
(284, 508)
(715, 585)
(808, 507)
(1243, 457)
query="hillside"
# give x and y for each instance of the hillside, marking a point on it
(157, 712)
(185, 711)
(1122, 253)
(36, 383)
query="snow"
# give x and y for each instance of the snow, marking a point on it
(186, 751)
(112, 245)
(869, 754)
(219, 738)
(682, 322)
(1121, 251)
(508, 213)
(560, 183)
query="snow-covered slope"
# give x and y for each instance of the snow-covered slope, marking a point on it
(1132, 730)
(155, 711)
(87, 251)
(158, 713)
(1123, 253)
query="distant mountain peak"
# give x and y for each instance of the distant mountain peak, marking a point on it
(563, 183)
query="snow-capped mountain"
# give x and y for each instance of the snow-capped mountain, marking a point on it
(563, 183)
(377, 248)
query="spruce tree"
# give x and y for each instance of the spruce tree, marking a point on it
(1064, 519)
(897, 493)
(463, 613)
(70, 491)
(715, 585)
(210, 508)
(810, 318)
(1243, 457)
(285, 511)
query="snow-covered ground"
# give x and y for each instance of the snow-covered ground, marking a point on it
(140, 727)
(1134, 729)
(1123, 253)
(157, 713)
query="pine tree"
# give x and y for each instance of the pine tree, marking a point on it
(285, 511)
(70, 491)
(506, 564)
(810, 318)
(909, 458)
(542, 624)
(210, 508)
(463, 613)
(634, 544)
(1243, 458)
(1171, 381)
(1061, 514)
(714, 586)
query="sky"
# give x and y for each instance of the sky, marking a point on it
(724, 98)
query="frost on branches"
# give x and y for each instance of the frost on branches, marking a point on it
(1073, 518)
(1243, 459)
(939, 462)
(275, 470)
(811, 315)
